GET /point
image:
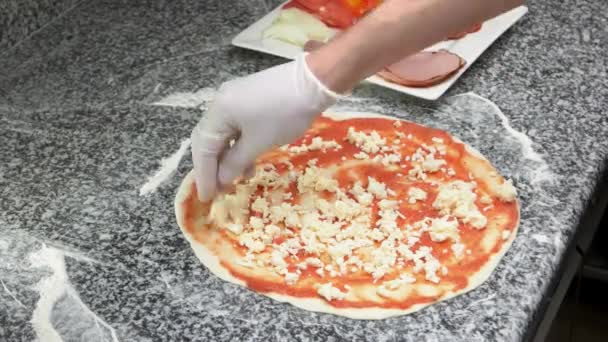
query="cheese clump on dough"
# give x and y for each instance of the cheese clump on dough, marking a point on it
(314, 179)
(391, 285)
(442, 228)
(416, 194)
(376, 188)
(362, 196)
(316, 144)
(368, 143)
(457, 198)
(230, 207)
(330, 292)
(458, 250)
(423, 161)
(506, 191)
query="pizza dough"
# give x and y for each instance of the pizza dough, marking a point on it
(372, 291)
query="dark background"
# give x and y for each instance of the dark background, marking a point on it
(583, 315)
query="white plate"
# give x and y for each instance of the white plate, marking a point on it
(470, 48)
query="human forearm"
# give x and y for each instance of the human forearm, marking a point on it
(394, 30)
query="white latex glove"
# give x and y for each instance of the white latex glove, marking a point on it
(266, 109)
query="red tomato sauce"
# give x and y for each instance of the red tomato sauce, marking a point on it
(458, 272)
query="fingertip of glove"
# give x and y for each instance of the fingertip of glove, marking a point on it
(225, 176)
(204, 190)
(201, 193)
(249, 171)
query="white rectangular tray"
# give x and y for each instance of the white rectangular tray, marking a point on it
(470, 48)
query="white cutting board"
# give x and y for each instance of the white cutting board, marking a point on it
(470, 48)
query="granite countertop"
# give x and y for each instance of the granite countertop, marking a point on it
(84, 257)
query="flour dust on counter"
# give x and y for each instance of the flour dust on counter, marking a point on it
(541, 172)
(197, 99)
(58, 299)
(168, 166)
(58, 314)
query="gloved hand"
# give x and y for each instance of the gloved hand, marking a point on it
(266, 109)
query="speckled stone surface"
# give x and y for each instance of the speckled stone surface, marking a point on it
(82, 253)
(21, 18)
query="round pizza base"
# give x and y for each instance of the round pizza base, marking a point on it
(317, 304)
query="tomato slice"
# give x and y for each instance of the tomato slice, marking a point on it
(303, 5)
(461, 34)
(312, 5)
(357, 7)
(335, 14)
(294, 4)
(332, 12)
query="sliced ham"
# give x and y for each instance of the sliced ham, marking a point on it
(423, 69)
(461, 34)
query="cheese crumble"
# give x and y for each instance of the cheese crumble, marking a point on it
(316, 144)
(368, 143)
(416, 194)
(458, 198)
(506, 191)
(330, 292)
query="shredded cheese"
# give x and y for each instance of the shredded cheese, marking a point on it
(376, 188)
(443, 228)
(506, 192)
(369, 143)
(416, 194)
(457, 198)
(316, 144)
(330, 292)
